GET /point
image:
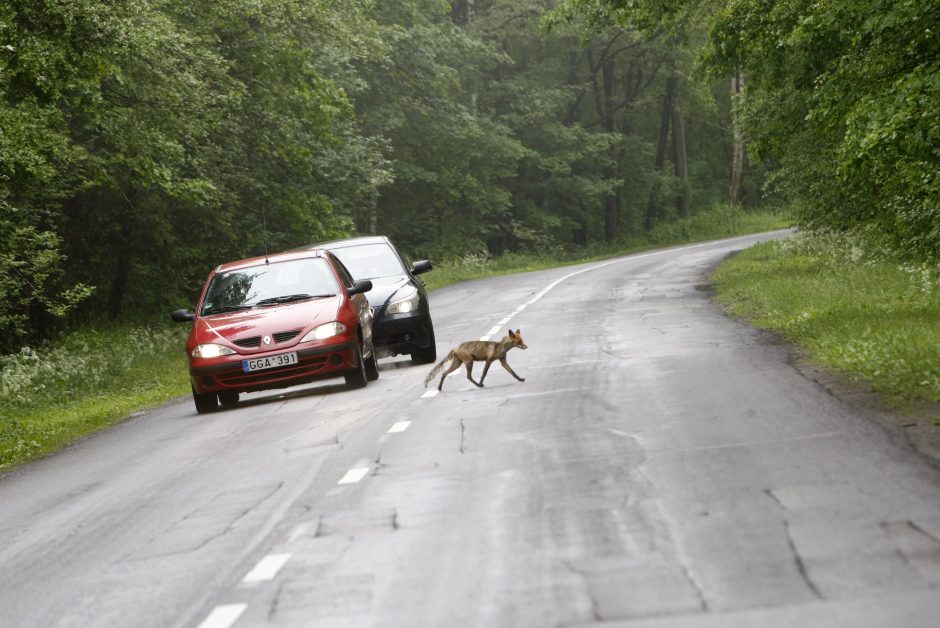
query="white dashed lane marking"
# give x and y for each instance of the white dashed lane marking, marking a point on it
(401, 426)
(354, 475)
(266, 568)
(492, 332)
(223, 616)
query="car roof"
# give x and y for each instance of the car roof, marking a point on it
(272, 259)
(359, 241)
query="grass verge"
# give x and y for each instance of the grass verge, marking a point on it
(869, 317)
(83, 382)
(94, 378)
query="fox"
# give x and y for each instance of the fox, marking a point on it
(467, 353)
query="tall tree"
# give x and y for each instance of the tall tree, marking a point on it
(737, 150)
(654, 207)
(681, 160)
(843, 98)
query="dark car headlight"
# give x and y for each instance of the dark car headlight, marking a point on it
(404, 304)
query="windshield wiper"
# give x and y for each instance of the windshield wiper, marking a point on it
(292, 297)
(226, 308)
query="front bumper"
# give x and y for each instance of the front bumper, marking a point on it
(400, 333)
(312, 364)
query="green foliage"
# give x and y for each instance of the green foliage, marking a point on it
(146, 141)
(30, 269)
(844, 98)
(873, 317)
(719, 221)
(448, 163)
(82, 382)
(841, 101)
(648, 16)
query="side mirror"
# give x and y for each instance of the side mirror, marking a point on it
(421, 266)
(183, 316)
(359, 287)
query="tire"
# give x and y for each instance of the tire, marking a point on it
(372, 367)
(228, 399)
(205, 402)
(356, 378)
(425, 355)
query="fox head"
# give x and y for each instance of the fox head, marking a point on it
(516, 338)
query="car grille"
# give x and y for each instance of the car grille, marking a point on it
(284, 336)
(254, 342)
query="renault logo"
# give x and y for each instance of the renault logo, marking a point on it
(267, 340)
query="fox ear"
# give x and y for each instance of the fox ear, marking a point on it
(511, 335)
(518, 331)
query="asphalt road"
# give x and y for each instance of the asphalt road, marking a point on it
(661, 465)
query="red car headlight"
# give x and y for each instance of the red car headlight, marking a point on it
(327, 330)
(211, 351)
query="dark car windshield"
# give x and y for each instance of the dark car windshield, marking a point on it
(370, 261)
(270, 284)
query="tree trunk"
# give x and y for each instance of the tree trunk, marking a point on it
(611, 205)
(373, 220)
(737, 151)
(125, 255)
(653, 208)
(680, 159)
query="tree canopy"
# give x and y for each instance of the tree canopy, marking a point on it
(143, 142)
(841, 102)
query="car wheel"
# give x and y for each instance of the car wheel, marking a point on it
(228, 399)
(372, 367)
(425, 355)
(205, 402)
(356, 378)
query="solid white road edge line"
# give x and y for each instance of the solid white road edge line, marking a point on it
(266, 568)
(223, 616)
(354, 475)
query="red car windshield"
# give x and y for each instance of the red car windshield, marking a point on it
(370, 261)
(269, 284)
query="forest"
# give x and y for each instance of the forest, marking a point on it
(143, 142)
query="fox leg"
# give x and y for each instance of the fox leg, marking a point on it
(511, 372)
(469, 365)
(485, 369)
(453, 367)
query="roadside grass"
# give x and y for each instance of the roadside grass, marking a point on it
(867, 316)
(83, 382)
(93, 378)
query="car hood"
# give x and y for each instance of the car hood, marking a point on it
(384, 288)
(266, 321)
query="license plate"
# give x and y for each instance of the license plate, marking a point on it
(270, 362)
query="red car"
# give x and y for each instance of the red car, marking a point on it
(278, 321)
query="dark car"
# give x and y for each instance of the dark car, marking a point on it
(278, 321)
(402, 317)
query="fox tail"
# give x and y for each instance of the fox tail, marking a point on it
(437, 368)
